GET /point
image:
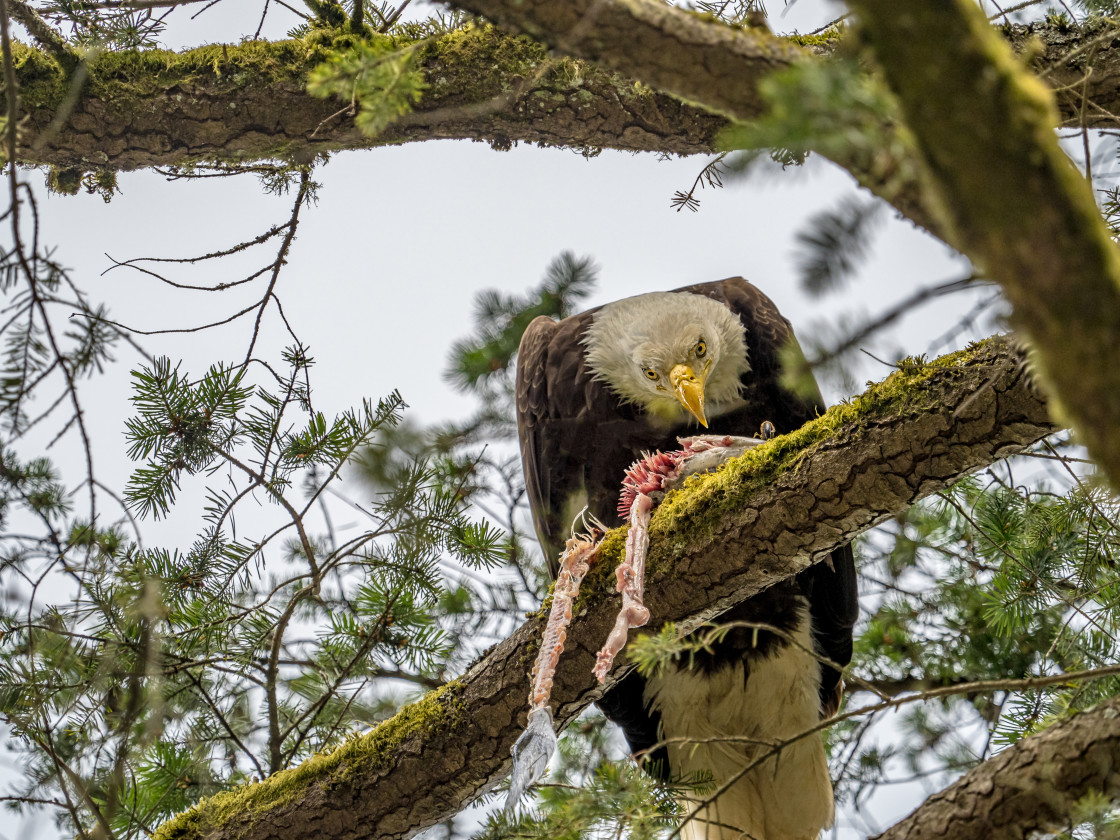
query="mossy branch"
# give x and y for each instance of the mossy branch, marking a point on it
(1009, 197)
(719, 540)
(237, 103)
(43, 33)
(247, 102)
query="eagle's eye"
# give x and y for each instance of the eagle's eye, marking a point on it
(652, 375)
(700, 349)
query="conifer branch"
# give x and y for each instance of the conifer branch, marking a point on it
(1032, 786)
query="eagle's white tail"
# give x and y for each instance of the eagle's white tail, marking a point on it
(788, 796)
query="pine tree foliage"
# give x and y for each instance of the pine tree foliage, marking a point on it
(39, 355)
(1105, 8)
(736, 13)
(104, 27)
(837, 109)
(992, 580)
(135, 679)
(373, 61)
(194, 669)
(615, 795)
(501, 319)
(380, 81)
(833, 243)
(480, 450)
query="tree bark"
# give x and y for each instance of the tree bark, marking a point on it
(726, 537)
(249, 102)
(704, 61)
(1009, 198)
(1031, 786)
(694, 57)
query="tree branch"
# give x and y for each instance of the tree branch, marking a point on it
(1031, 786)
(249, 102)
(725, 537)
(42, 32)
(1010, 198)
(694, 57)
(706, 62)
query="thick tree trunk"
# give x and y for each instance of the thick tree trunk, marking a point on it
(759, 520)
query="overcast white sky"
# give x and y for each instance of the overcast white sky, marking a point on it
(382, 275)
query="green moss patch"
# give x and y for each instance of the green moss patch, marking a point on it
(42, 82)
(438, 710)
(827, 38)
(133, 75)
(146, 72)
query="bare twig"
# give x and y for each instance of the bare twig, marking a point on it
(281, 257)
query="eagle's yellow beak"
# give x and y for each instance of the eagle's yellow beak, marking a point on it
(690, 391)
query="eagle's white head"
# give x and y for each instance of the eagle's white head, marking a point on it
(669, 352)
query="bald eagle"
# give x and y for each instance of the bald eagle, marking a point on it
(596, 390)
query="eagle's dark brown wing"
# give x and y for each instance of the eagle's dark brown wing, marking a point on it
(532, 412)
(563, 418)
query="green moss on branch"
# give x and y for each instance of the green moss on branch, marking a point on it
(438, 711)
(1011, 199)
(236, 103)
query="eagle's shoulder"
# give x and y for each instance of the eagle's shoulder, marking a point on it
(553, 380)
